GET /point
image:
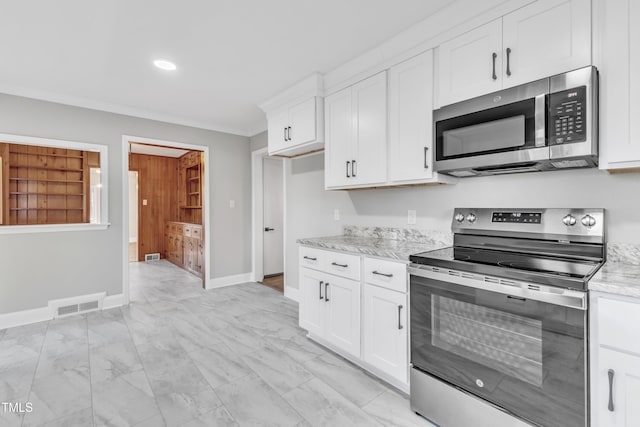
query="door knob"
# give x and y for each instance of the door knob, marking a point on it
(269, 229)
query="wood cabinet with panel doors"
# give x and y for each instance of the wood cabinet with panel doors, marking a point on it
(615, 361)
(544, 38)
(356, 134)
(617, 47)
(184, 246)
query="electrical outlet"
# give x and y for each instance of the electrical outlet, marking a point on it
(411, 216)
(232, 204)
(336, 214)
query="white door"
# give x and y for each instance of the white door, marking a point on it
(273, 217)
(411, 119)
(625, 390)
(277, 131)
(385, 330)
(466, 64)
(338, 139)
(302, 120)
(545, 38)
(342, 327)
(369, 163)
(312, 303)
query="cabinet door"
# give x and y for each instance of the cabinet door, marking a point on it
(385, 331)
(200, 258)
(302, 120)
(545, 38)
(370, 133)
(277, 131)
(338, 139)
(312, 303)
(625, 388)
(342, 301)
(466, 64)
(178, 243)
(411, 119)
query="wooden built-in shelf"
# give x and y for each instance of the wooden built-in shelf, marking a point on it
(67, 181)
(47, 155)
(17, 193)
(45, 209)
(46, 168)
(190, 207)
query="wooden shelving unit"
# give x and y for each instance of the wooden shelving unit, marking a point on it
(191, 174)
(45, 185)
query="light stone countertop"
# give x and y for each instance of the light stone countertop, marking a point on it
(386, 248)
(617, 278)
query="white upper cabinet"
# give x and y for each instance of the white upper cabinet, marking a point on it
(410, 150)
(545, 38)
(471, 64)
(295, 119)
(617, 41)
(542, 39)
(356, 136)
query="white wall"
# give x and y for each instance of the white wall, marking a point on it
(35, 268)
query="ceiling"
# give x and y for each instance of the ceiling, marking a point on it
(156, 150)
(231, 54)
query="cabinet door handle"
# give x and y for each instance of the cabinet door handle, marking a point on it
(399, 317)
(340, 265)
(611, 373)
(326, 292)
(508, 61)
(382, 274)
(285, 133)
(289, 133)
(320, 289)
(494, 56)
(426, 150)
(353, 168)
(347, 173)
(310, 258)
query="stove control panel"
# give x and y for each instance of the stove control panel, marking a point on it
(579, 225)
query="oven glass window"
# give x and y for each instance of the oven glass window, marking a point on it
(494, 135)
(506, 342)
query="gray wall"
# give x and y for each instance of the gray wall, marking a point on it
(258, 141)
(35, 268)
(310, 208)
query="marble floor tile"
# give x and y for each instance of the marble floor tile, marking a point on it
(107, 329)
(302, 349)
(16, 380)
(321, 405)
(124, 401)
(241, 339)
(277, 369)
(220, 365)
(349, 380)
(392, 409)
(219, 417)
(155, 421)
(75, 359)
(81, 418)
(112, 360)
(252, 402)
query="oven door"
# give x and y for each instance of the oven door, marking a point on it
(504, 128)
(525, 356)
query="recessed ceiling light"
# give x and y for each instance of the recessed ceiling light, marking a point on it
(163, 64)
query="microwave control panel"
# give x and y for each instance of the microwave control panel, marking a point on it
(567, 116)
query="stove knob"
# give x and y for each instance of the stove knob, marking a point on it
(569, 220)
(588, 221)
(459, 217)
(471, 218)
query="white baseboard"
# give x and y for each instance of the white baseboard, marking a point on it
(113, 301)
(292, 293)
(236, 279)
(25, 317)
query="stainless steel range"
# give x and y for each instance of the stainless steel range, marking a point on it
(499, 321)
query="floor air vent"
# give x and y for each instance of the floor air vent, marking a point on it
(151, 257)
(78, 305)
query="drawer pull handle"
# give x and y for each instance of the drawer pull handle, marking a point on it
(508, 61)
(494, 56)
(399, 317)
(310, 258)
(340, 265)
(320, 289)
(326, 292)
(382, 274)
(611, 374)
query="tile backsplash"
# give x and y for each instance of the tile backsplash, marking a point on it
(627, 253)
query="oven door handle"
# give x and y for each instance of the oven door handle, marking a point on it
(562, 297)
(540, 120)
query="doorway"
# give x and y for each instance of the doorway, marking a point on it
(273, 221)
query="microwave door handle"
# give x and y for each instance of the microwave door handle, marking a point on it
(540, 120)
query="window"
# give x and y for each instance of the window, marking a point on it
(49, 183)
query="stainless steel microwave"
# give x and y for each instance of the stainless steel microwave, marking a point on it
(544, 125)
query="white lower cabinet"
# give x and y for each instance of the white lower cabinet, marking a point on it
(615, 362)
(385, 330)
(358, 308)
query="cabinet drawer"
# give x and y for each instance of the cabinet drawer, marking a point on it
(341, 264)
(172, 227)
(180, 229)
(615, 324)
(311, 258)
(388, 274)
(196, 232)
(187, 230)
